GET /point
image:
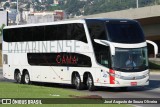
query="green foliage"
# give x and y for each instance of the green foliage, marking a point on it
(13, 6)
(88, 7)
(50, 1)
(154, 65)
(12, 90)
(52, 8)
(1, 29)
(85, 7)
(6, 5)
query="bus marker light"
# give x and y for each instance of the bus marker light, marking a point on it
(97, 79)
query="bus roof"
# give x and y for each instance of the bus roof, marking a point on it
(67, 21)
(109, 19)
(47, 23)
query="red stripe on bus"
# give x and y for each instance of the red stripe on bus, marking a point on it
(112, 78)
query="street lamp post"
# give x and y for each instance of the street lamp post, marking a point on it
(17, 6)
(137, 4)
(17, 13)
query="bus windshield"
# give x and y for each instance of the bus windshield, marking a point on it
(128, 32)
(126, 60)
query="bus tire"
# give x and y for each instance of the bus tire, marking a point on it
(26, 78)
(18, 77)
(90, 83)
(77, 82)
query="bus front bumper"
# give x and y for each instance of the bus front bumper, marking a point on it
(127, 83)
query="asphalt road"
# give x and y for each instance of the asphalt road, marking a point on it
(151, 91)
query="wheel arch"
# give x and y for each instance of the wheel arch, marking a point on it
(25, 71)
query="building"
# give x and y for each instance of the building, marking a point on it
(56, 2)
(3, 18)
(12, 14)
(41, 17)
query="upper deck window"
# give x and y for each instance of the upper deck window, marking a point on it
(97, 30)
(73, 31)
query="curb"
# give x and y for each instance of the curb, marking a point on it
(158, 73)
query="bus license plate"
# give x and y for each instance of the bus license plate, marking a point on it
(133, 83)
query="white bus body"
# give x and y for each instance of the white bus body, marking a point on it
(71, 52)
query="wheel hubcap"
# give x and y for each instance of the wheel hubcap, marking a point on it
(77, 81)
(27, 78)
(89, 82)
(18, 77)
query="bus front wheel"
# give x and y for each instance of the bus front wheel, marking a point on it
(90, 83)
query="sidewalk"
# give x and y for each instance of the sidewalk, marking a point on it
(152, 71)
(158, 73)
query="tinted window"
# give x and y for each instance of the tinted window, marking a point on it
(76, 32)
(62, 32)
(50, 32)
(97, 30)
(38, 33)
(130, 60)
(65, 32)
(8, 35)
(102, 54)
(125, 32)
(59, 59)
(5, 59)
(55, 32)
(46, 33)
(25, 33)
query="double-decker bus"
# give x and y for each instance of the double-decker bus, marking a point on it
(85, 53)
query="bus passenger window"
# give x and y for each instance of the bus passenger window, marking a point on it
(102, 54)
(5, 59)
(104, 60)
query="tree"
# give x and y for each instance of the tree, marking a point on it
(6, 5)
(50, 1)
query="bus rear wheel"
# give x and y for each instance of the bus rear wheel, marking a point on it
(18, 77)
(90, 83)
(26, 78)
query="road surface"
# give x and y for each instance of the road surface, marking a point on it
(151, 91)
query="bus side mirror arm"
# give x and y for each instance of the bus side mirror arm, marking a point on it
(106, 43)
(155, 47)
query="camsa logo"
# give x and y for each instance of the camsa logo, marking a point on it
(66, 59)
